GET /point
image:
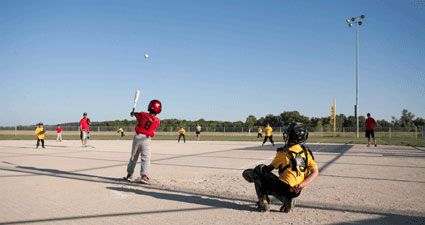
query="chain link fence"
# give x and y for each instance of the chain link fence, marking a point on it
(387, 132)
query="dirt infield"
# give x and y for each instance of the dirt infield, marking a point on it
(201, 183)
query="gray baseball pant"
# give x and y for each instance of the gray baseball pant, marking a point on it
(141, 146)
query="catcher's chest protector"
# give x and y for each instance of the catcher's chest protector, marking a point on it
(298, 163)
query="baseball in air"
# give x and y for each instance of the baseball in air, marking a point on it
(146, 56)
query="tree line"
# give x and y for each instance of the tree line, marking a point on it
(407, 119)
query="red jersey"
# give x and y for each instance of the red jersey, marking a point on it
(370, 123)
(59, 130)
(146, 124)
(84, 124)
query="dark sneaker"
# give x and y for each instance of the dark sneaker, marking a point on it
(376, 145)
(287, 206)
(263, 207)
(247, 175)
(127, 178)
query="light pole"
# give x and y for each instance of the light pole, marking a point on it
(358, 22)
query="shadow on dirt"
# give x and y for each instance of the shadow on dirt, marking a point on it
(199, 199)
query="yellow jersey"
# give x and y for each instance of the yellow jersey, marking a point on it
(181, 131)
(260, 130)
(39, 132)
(268, 131)
(121, 130)
(283, 159)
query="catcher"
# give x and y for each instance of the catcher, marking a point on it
(297, 169)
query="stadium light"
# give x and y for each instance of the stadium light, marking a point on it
(356, 20)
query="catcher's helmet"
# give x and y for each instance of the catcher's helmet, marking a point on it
(155, 106)
(296, 133)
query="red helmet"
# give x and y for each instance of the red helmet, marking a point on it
(155, 106)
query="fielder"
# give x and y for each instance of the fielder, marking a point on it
(122, 132)
(297, 169)
(260, 131)
(146, 126)
(181, 132)
(198, 129)
(39, 131)
(268, 130)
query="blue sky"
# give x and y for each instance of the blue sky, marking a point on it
(217, 60)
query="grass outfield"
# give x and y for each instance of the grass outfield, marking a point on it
(403, 141)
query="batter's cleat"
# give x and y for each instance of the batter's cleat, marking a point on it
(376, 145)
(287, 206)
(247, 175)
(127, 178)
(142, 180)
(145, 180)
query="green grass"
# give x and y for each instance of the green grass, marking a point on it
(402, 141)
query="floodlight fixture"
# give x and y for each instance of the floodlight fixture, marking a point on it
(353, 19)
(350, 24)
(348, 20)
(360, 23)
(362, 17)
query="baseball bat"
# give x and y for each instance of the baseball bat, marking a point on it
(136, 98)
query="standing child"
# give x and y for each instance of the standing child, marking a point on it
(198, 129)
(268, 130)
(260, 131)
(40, 134)
(59, 130)
(146, 126)
(181, 132)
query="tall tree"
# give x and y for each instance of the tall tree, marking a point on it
(406, 119)
(250, 121)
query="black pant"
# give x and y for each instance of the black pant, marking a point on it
(259, 135)
(38, 142)
(266, 183)
(122, 134)
(182, 135)
(269, 137)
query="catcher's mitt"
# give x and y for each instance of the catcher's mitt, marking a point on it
(247, 175)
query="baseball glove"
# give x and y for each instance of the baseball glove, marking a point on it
(247, 175)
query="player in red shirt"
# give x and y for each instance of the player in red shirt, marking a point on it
(145, 128)
(84, 130)
(370, 129)
(59, 130)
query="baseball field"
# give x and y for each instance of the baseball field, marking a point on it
(201, 183)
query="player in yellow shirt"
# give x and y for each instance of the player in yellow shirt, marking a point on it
(181, 132)
(297, 169)
(268, 130)
(260, 131)
(40, 134)
(122, 132)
